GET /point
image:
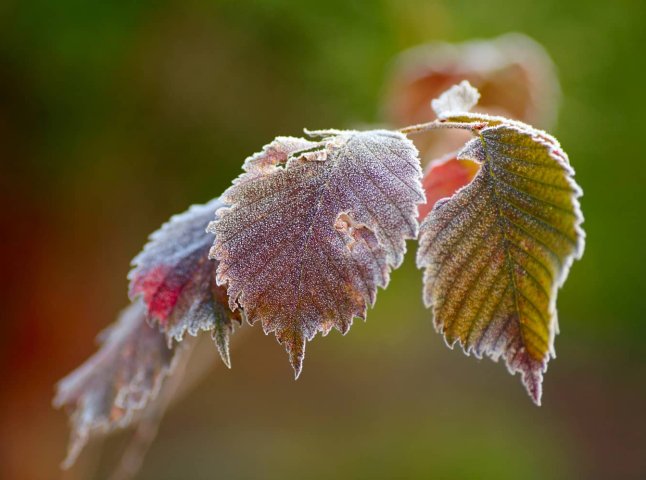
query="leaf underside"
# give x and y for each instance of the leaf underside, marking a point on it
(496, 252)
(176, 279)
(443, 177)
(314, 227)
(112, 387)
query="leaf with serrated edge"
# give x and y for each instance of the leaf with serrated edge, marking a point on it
(497, 251)
(176, 279)
(313, 231)
(118, 381)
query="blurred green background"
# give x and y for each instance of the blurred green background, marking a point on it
(115, 115)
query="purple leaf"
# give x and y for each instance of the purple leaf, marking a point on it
(118, 381)
(314, 227)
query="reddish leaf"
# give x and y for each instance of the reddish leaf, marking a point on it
(443, 177)
(313, 229)
(176, 279)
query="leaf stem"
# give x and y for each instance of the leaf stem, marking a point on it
(442, 124)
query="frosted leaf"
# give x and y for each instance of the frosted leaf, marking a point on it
(276, 153)
(314, 227)
(496, 252)
(459, 98)
(176, 279)
(118, 381)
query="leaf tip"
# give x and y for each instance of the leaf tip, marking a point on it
(296, 359)
(77, 442)
(533, 381)
(531, 371)
(220, 336)
(227, 360)
(294, 343)
(223, 350)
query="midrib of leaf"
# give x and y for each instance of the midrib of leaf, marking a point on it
(308, 235)
(508, 259)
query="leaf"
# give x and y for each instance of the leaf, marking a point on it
(496, 252)
(443, 177)
(513, 72)
(176, 279)
(118, 381)
(314, 227)
(459, 98)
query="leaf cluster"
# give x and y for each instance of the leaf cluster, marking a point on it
(304, 237)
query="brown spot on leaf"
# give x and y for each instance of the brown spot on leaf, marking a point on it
(354, 232)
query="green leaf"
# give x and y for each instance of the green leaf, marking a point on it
(497, 251)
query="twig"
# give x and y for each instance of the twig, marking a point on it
(440, 124)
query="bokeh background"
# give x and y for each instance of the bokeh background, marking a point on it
(115, 115)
